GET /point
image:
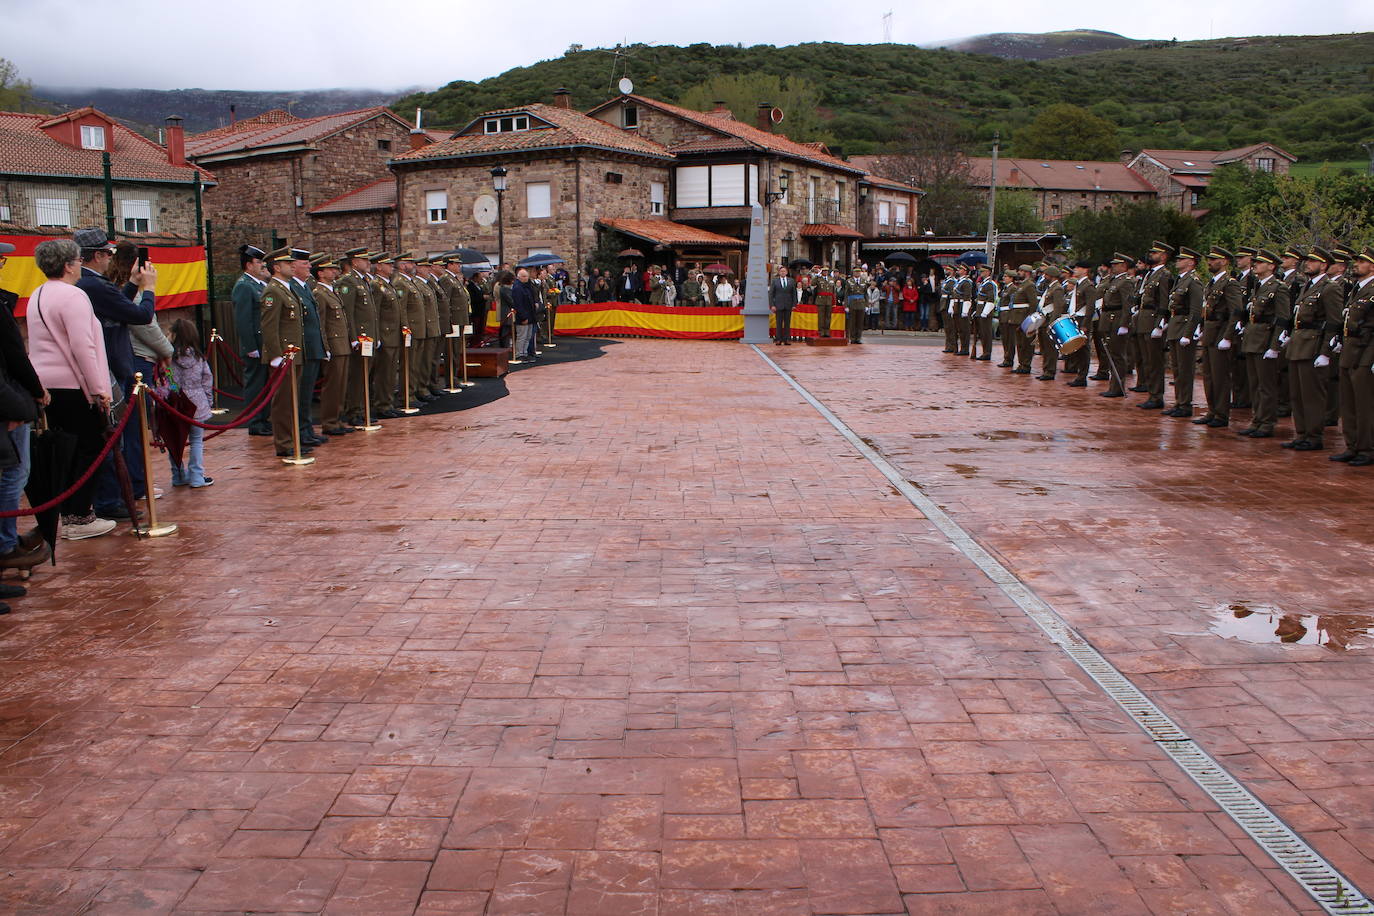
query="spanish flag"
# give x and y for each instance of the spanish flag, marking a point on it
(180, 272)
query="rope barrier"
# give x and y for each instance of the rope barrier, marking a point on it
(268, 391)
(227, 394)
(60, 499)
(234, 374)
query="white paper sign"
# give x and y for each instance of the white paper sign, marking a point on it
(454, 332)
(407, 340)
(366, 347)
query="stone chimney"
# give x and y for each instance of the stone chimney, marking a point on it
(562, 98)
(418, 137)
(764, 116)
(721, 110)
(176, 141)
(1014, 176)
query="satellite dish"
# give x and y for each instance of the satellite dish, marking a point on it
(626, 87)
(775, 115)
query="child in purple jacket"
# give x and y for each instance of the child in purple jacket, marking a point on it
(192, 375)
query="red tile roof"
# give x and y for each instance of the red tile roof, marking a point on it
(1205, 160)
(568, 128)
(829, 231)
(274, 116)
(276, 134)
(664, 232)
(379, 195)
(1060, 175)
(25, 149)
(752, 136)
(881, 182)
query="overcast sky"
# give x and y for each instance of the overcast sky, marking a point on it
(174, 44)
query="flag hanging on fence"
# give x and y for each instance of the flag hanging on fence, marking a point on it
(180, 272)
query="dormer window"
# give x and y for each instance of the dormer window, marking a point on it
(507, 124)
(92, 137)
(629, 117)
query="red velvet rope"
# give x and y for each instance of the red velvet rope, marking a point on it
(249, 412)
(59, 500)
(233, 373)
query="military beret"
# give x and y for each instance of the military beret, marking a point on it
(1366, 255)
(1342, 252)
(1119, 258)
(1219, 253)
(1319, 253)
(1265, 255)
(1293, 251)
(356, 252)
(1245, 251)
(1161, 247)
(252, 251)
(1185, 252)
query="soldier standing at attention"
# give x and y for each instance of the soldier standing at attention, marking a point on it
(947, 308)
(1220, 303)
(354, 290)
(386, 363)
(1180, 335)
(1241, 396)
(281, 327)
(826, 289)
(1004, 326)
(855, 302)
(1357, 358)
(985, 313)
(1291, 276)
(311, 357)
(412, 316)
(444, 281)
(337, 343)
(1023, 300)
(1113, 321)
(1082, 296)
(963, 311)
(422, 362)
(1316, 320)
(1155, 287)
(1268, 312)
(1344, 278)
(1053, 305)
(247, 298)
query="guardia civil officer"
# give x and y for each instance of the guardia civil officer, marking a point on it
(247, 298)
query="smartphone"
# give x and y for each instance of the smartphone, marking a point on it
(142, 255)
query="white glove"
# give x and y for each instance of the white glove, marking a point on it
(1321, 362)
(276, 362)
(1184, 341)
(1283, 338)
(1197, 333)
(1240, 328)
(254, 354)
(1122, 332)
(327, 354)
(1044, 309)
(1336, 347)
(1224, 344)
(355, 345)
(1157, 332)
(1271, 354)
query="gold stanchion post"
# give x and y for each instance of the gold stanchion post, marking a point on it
(405, 371)
(463, 354)
(552, 309)
(152, 529)
(297, 458)
(365, 349)
(216, 342)
(448, 363)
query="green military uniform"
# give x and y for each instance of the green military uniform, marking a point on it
(411, 309)
(1150, 316)
(459, 309)
(1054, 302)
(1316, 321)
(963, 294)
(1221, 302)
(855, 302)
(1023, 302)
(338, 340)
(947, 312)
(1113, 324)
(826, 291)
(984, 316)
(1181, 332)
(386, 362)
(355, 295)
(656, 289)
(1340, 272)
(1357, 357)
(281, 327)
(1268, 312)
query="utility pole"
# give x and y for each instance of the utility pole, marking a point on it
(992, 200)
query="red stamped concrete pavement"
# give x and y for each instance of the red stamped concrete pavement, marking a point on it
(647, 636)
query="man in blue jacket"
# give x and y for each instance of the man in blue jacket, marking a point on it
(117, 309)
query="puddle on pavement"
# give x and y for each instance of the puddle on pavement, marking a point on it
(999, 435)
(963, 470)
(1261, 623)
(925, 435)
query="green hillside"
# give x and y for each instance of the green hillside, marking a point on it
(1313, 95)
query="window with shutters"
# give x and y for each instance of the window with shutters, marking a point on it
(436, 206)
(538, 201)
(52, 211)
(656, 198)
(137, 215)
(884, 213)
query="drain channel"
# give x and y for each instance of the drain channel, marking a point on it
(1327, 886)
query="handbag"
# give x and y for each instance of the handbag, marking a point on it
(116, 388)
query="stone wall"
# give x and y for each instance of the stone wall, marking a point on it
(335, 233)
(172, 207)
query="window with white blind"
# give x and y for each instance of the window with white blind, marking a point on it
(884, 213)
(52, 211)
(656, 198)
(693, 186)
(436, 206)
(538, 202)
(92, 137)
(4, 213)
(727, 185)
(137, 215)
(901, 214)
(753, 197)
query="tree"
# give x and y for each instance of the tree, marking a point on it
(931, 156)
(1097, 234)
(1068, 132)
(1015, 211)
(743, 92)
(15, 94)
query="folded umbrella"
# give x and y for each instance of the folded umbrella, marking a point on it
(52, 459)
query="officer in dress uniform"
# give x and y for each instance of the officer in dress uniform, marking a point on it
(855, 302)
(825, 292)
(459, 303)
(946, 311)
(412, 311)
(1241, 396)
(1082, 296)
(963, 310)
(247, 298)
(386, 363)
(1113, 320)
(1269, 310)
(1220, 302)
(1316, 320)
(281, 327)
(1340, 272)
(338, 341)
(1150, 320)
(354, 289)
(985, 313)
(434, 333)
(1023, 300)
(1180, 334)
(1357, 363)
(1290, 275)
(444, 282)
(1054, 304)
(1005, 328)
(312, 345)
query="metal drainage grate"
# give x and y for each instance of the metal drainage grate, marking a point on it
(1327, 886)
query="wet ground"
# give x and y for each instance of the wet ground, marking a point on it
(648, 636)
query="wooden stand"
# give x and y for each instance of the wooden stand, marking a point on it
(489, 362)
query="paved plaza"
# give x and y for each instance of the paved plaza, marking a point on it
(651, 636)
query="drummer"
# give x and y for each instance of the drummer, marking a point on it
(1023, 300)
(1053, 306)
(1082, 296)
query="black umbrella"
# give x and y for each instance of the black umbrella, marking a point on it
(466, 255)
(52, 459)
(801, 262)
(972, 257)
(540, 260)
(900, 257)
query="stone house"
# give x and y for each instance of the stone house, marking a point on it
(1061, 186)
(1180, 177)
(52, 175)
(887, 208)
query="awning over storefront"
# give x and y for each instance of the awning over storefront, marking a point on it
(829, 231)
(671, 235)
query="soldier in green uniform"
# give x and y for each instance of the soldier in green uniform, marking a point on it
(1241, 396)
(281, 327)
(1290, 275)
(247, 298)
(1149, 323)
(445, 281)
(946, 311)
(1316, 320)
(1005, 328)
(855, 301)
(386, 362)
(412, 316)
(963, 311)
(1180, 334)
(1023, 300)
(354, 289)
(1268, 311)
(434, 332)
(985, 314)
(459, 306)
(1220, 302)
(826, 289)
(1344, 277)
(1082, 296)
(1054, 304)
(1357, 365)
(312, 345)
(1114, 320)
(338, 341)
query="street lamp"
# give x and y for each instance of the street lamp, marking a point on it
(771, 196)
(498, 181)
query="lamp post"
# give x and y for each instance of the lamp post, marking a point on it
(498, 181)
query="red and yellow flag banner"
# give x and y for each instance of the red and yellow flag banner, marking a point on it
(180, 272)
(685, 322)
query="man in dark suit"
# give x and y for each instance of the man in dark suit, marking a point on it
(628, 286)
(782, 298)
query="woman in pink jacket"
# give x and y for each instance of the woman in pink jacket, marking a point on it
(67, 349)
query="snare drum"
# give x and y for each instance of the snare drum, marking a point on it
(1066, 336)
(1032, 323)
